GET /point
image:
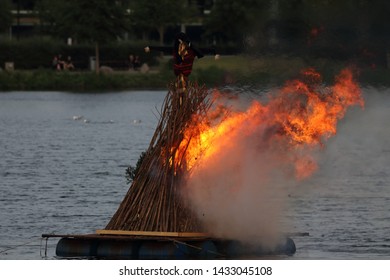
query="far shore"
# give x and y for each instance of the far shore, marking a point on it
(237, 70)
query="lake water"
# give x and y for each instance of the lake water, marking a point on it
(63, 158)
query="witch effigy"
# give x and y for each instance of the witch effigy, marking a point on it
(184, 54)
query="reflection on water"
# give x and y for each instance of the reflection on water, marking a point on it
(63, 160)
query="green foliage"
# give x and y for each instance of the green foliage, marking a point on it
(30, 53)
(5, 15)
(375, 77)
(38, 53)
(157, 14)
(340, 29)
(131, 171)
(151, 14)
(84, 20)
(235, 19)
(78, 82)
(347, 22)
(211, 76)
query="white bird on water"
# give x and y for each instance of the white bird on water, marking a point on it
(77, 118)
(80, 118)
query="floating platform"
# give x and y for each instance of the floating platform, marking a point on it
(115, 244)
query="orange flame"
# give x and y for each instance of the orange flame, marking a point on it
(302, 113)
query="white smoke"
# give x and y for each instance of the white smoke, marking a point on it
(240, 194)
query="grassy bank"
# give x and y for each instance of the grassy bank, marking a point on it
(276, 70)
(78, 81)
(236, 70)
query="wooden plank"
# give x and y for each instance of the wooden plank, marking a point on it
(151, 233)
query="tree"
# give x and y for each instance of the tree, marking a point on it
(24, 4)
(350, 25)
(233, 20)
(94, 21)
(158, 14)
(5, 15)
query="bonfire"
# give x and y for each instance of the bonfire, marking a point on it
(200, 144)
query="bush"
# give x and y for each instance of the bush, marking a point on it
(211, 76)
(79, 81)
(38, 53)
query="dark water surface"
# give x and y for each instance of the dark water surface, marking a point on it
(63, 158)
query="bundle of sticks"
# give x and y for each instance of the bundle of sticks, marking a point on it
(154, 201)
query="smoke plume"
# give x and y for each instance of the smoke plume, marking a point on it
(248, 155)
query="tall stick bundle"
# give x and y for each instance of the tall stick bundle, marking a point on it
(154, 201)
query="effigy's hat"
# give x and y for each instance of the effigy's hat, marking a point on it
(183, 37)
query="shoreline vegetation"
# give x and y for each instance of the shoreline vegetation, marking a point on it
(234, 70)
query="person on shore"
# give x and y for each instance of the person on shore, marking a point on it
(131, 62)
(54, 62)
(137, 63)
(58, 63)
(68, 64)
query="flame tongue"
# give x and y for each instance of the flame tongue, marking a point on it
(241, 162)
(302, 113)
